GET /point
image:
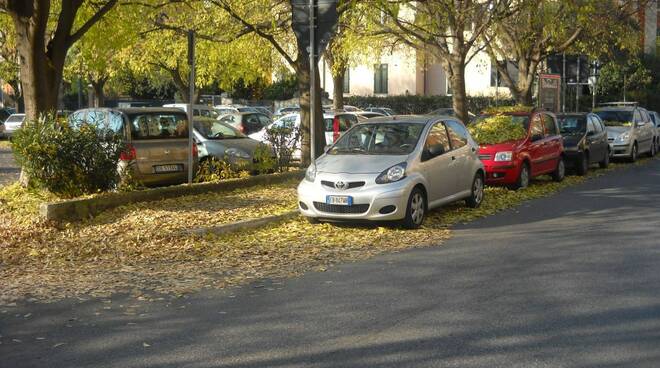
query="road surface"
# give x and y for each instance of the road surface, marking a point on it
(572, 280)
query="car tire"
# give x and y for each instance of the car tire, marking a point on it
(606, 160)
(582, 164)
(633, 153)
(560, 172)
(477, 191)
(416, 210)
(652, 152)
(524, 177)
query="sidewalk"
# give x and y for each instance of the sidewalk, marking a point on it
(9, 171)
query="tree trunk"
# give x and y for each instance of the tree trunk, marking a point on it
(41, 68)
(304, 80)
(455, 68)
(99, 94)
(338, 89)
(182, 85)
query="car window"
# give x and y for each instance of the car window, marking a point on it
(637, 117)
(550, 125)
(536, 126)
(252, 123)
(591, 128)
(458, 135)
(379, 139)
(654, 118)
(158, 126)
(230, 119)
(264, 120)
(438, 135)
(213, 129)
(598, 125)
(77, 118)
(571, 124)
(96, 118)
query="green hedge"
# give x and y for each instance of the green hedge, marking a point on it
(423, 104)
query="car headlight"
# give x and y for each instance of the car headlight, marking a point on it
(310, 174)
(237, 153)
(503, 156)
(393, 174)
(623, 137)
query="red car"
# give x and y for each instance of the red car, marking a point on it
(513, 163)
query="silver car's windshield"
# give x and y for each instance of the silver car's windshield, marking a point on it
(616, 118)
(379, 139)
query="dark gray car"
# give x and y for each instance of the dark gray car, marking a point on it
(224, 142)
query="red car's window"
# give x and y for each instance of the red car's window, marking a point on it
(536, 127)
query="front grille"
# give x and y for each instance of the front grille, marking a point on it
(351, 185)
(334, 208)
(484, 157)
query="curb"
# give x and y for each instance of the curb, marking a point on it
(242, 225)
(79, 209)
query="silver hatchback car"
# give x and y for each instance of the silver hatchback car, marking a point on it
(394, 169)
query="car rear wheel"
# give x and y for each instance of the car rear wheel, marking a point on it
(523, 178)
(582, 165)
(633, 153)
(606, 160)
(416, 210)
(652, 152)
(477, 195)
(560, 172)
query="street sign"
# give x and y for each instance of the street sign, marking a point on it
(326, 22)
(550, 91)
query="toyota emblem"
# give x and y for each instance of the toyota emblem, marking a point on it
(341, 185)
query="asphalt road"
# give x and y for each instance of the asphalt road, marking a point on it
(9, 171)
(571, 280)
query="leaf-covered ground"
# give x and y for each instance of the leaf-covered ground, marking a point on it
(5, 144)
(143, 248)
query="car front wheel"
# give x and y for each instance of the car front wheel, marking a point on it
(416, 211)
(606, 160)
(477, 195)
(633, 153)
(523, 178)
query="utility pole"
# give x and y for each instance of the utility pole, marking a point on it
(577, 86)
(563, 82)
(191, 81)
(312, 84)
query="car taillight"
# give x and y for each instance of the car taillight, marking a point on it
(335, 129)
(195, 151)
(129, 154)
(242, 129)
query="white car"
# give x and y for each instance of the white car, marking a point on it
(334, 125)
(13, 123)
(394, 170)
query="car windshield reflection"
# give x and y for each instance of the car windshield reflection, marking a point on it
(379, 139)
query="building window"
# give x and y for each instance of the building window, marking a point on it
(347, 81)
(380, 79)
(496, 76)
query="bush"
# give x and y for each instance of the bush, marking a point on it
(496, 129)
(423, 104)
(283, 89)
(213, 170)
(285, 141)
(66, 161)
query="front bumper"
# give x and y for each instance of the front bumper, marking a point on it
(376, 199)
(501, 173)
(620, 150)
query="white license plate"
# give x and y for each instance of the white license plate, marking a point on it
(339, 200)
(167, 168)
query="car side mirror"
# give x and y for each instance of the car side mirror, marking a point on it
(436, 150)
(640, 124)
(591, 133)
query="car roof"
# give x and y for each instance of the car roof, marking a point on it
(616, 108)
(573, 114)
(415, 119)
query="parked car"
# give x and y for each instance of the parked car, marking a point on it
(5, 112)
(246, 122)
(630, 131)
(287, 110)
(198, 110)
(540, 151)
(448, 111)
(381, 110)
(13, 123)
(157, 140)
(224, 142)
(655, 118)
(585, 141)
(291, 121)
(393, 169)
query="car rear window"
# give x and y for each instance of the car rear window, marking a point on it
(616, 118)
(159, 126)
(15, 119)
